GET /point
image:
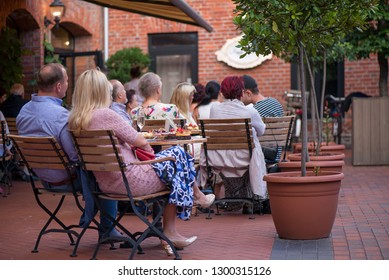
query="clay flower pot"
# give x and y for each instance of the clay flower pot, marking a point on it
(304, 208)
(287, 166)
(330, 147)
(323, 156)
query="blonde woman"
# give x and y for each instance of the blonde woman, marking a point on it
(91, 100)
(182, 97)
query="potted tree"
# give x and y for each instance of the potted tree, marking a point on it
(120, 63)
(303, 203)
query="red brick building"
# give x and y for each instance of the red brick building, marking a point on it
(177, 49)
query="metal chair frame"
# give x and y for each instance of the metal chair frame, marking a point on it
(6, 160)
(98, 151)
(46, 153)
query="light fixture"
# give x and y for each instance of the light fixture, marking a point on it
(57, 10)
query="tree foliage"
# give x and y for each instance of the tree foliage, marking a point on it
(120, 63)
(374, 39)
(278, 26)
(304, 28)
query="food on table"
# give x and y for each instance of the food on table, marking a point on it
(183, 134)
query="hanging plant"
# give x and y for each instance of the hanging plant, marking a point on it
(50, 57)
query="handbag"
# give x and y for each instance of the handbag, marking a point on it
(142, 155)
(270, 153)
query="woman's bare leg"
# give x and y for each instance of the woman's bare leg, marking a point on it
(169, 223)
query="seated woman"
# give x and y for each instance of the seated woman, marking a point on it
(132, 102)
(182, 97)
(150, 87)
(232, 89)
(91, 100)
(212, 91)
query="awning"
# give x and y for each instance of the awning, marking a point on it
(175, 10)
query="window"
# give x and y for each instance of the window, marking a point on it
(174, 57)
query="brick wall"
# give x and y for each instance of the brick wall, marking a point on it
(129, 30)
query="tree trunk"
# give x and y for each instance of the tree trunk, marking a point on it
(304, 129)
(383, 82)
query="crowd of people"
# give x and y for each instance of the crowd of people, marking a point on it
(99, 103)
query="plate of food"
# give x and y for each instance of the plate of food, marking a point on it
(148, 135)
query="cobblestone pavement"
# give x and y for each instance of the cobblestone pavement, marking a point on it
(360, 232)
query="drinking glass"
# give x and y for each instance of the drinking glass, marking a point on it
(140, 119)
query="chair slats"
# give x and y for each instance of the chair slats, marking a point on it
(94, 141)
(92, 150)
(227, 146)
(44, 165)
(277, 131)
(226, 134)
(103, 159)
(11, 122)
(102, 167)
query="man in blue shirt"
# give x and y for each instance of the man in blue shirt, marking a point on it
(44, 115)
(119, 98)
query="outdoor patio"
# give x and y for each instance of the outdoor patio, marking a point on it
(360, 232)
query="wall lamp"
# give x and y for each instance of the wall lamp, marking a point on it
(57, 10)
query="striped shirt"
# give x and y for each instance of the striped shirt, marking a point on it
(270, 107)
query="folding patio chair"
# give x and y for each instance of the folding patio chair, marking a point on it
(46, 153)
(228, 134)
(278, 134)
(98, 151)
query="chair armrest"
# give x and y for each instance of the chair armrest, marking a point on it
(153, 161)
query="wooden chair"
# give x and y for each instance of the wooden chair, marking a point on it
(278, 133)
(11, 122)
(6, 159)
(46, 153)
(229, 134)
(98, 151)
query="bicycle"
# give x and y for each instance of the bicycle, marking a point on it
(335, 105)
(293, 105)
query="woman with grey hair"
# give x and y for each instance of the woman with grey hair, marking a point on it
(150, 87)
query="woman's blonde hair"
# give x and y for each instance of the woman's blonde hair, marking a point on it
(181, 98)
(92, 91)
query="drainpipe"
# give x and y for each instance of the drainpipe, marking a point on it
(106, 28)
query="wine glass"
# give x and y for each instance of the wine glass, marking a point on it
(140, 119)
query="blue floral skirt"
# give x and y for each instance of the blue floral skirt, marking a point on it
(181, 182)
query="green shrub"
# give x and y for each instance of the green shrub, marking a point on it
(120, 63)
(11, 70)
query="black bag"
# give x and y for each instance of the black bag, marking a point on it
(270, 154)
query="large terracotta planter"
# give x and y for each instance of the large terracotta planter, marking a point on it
(323, 156)
(330, 147)
(303, 207)
(288, 166)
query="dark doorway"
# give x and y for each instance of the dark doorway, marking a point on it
(174, 57)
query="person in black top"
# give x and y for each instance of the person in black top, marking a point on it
(12, 105)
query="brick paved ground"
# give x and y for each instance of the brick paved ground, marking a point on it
(361, 229)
